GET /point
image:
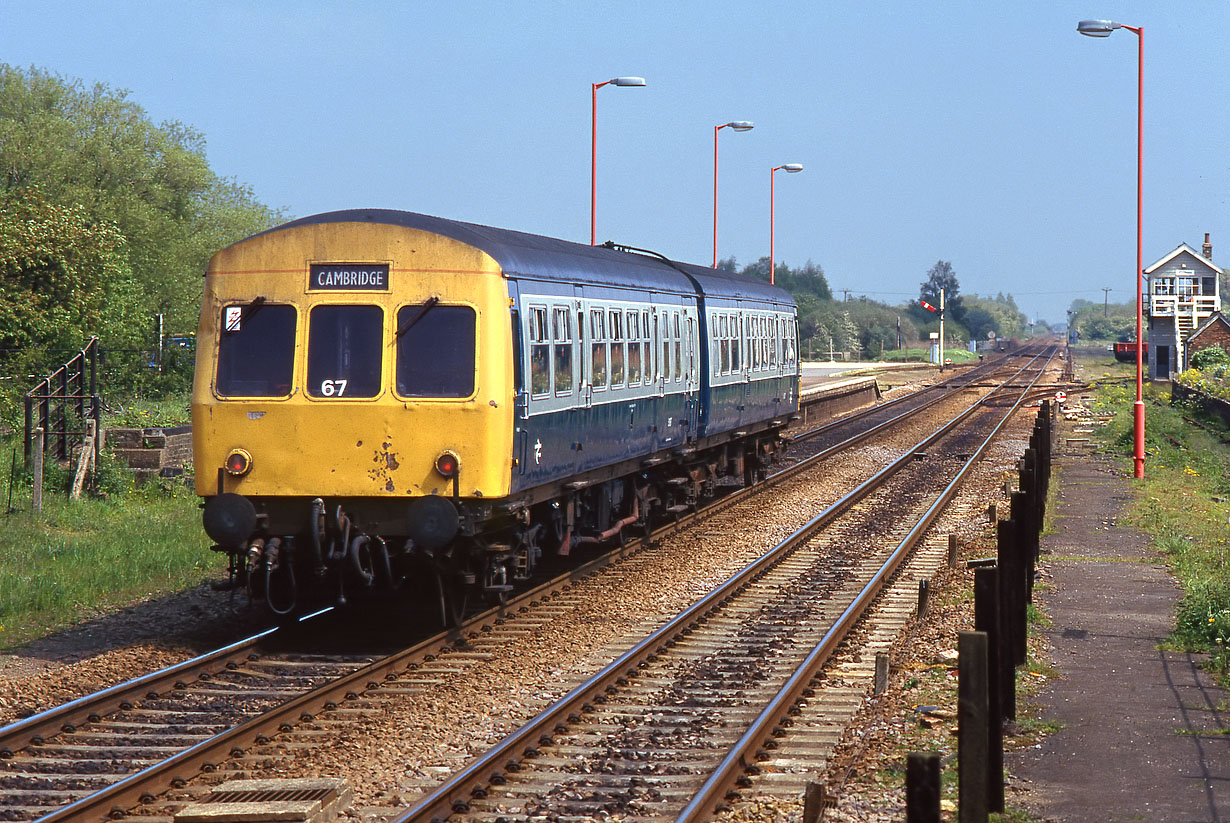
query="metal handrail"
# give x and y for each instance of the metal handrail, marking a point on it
(71, 388)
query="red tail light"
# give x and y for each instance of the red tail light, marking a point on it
(448, 464)
(238, 463)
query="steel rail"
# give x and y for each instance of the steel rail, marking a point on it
(34, 730)
(709, 799)
(452, 796)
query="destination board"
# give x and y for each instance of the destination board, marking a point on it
(349, 277)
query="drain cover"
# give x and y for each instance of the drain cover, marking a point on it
(302, 800)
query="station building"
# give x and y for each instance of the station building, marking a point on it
(1182, 307)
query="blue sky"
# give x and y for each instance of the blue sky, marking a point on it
(989, 134)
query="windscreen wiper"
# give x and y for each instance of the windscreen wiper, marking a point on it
(426, 307)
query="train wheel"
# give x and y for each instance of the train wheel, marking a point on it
(454, 597)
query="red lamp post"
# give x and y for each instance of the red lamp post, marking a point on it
(1103, 28)
(593, 167)
(789, 168)
(737, 125)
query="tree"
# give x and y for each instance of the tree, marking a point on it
(808, 280)
(64, 145)
(942, 276)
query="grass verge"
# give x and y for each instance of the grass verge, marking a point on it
(1183, 502)
(79, 559)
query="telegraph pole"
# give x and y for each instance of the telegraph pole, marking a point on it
(1105, 300)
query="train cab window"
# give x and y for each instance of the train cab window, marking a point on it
(436, 351)
(256, 350)
(723, 340)
(540, 352)
(344, 351)
(634, 347)
(597, 348)
(616, 318)
(561, 334)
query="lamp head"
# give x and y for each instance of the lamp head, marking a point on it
(741, 125)
(627, 81)
(1097, 28)
(793, 167)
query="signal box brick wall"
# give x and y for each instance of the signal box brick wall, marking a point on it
(1215, 332)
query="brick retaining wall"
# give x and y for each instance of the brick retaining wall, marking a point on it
(163, 451)
(1213, 405)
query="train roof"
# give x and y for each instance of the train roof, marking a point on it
(547, 258)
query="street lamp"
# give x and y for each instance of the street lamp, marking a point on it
(736, 125)
(789, 168)
(593, 167)
(1103, 28)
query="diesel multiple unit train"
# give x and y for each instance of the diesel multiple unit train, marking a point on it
(386, 399)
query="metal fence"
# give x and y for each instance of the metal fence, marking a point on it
(62, 403)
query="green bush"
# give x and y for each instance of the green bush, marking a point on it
(1205, 359)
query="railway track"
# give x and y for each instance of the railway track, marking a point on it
(130, 765)
(675, 725)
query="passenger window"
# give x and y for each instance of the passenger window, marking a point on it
(652, 373)
(774, 337)
(616, 318)
(664, 371)
(256, 350)
(634, 348)
(597, 336)
(561, 334)
(540, 352)
(646, 362)
(678, 348)
(724, 326)
(436, 348)
(691, 347)
(344, 351)
(736, 322)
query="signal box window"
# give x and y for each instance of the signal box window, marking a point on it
(435, 350)
(344, 345)
(256, 350)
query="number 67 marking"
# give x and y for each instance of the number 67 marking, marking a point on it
(331, 387)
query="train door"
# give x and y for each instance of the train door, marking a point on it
(750, 361)
(585, 389)
(691, 374)
(661, 351)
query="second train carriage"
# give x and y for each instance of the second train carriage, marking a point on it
(381, 392)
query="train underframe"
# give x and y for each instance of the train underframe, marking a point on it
(306, 553)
